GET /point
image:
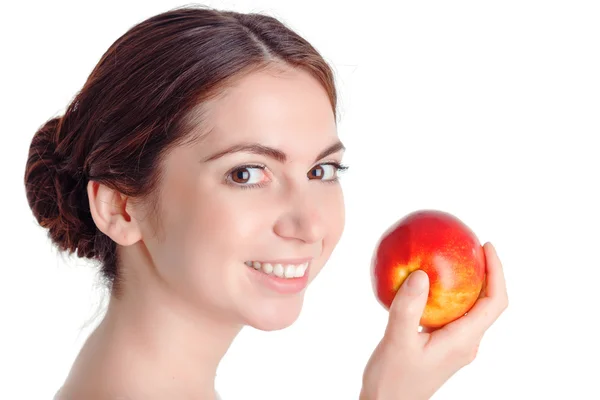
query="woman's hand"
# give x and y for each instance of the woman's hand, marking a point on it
(412, 365)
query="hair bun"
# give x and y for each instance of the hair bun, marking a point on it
(58, 201)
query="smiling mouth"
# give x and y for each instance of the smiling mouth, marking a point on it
(286, 271)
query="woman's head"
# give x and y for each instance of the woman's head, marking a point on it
(203, 142)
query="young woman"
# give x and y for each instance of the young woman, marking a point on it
(199, 166)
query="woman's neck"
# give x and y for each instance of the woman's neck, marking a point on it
(152, 344)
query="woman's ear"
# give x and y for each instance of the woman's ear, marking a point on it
(109, 211)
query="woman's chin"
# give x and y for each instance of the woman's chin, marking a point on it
(275, 314)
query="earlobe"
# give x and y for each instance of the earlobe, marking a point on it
(109, 211)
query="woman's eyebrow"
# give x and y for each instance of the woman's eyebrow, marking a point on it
(334, 148)
(257, 148)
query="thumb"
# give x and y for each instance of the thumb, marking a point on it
(407, 307)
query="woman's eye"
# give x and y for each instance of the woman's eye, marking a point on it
(249, 175)
(324, 172)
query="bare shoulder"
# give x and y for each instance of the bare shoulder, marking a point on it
(65, 394)
(80, 394)
(60, 395)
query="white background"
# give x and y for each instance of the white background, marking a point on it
(488, 110)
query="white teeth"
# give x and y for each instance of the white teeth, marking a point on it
(288, 271)
(267, 268)
(299, 272)
(278, 270)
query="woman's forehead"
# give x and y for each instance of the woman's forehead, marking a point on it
(289, 113)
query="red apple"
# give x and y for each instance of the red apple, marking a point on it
(442, 246)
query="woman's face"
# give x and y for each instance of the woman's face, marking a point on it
(244, 232)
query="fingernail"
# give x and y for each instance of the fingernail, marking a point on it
(416, 282)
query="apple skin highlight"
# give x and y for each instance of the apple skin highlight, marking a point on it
(442, 246)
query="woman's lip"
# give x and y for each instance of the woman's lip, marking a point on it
(293, 261)
(280, 285)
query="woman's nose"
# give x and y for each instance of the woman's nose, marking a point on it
(302, 220)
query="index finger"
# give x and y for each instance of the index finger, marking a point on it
(496, 282)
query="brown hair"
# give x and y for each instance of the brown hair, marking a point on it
(140, 101)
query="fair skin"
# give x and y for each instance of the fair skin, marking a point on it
(187, 291)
